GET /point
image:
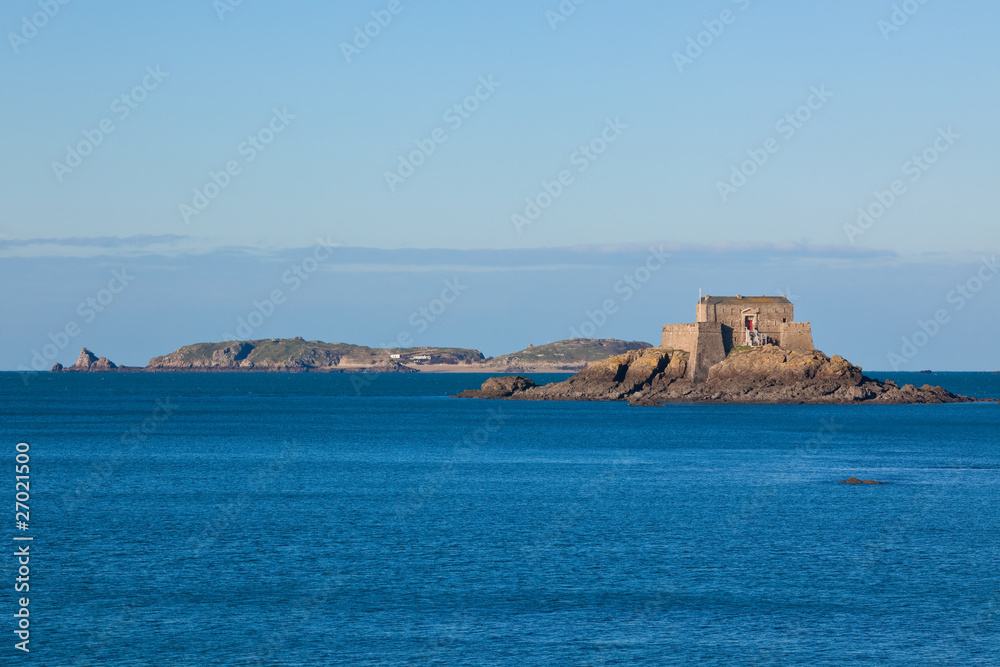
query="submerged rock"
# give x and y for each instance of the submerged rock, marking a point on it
(855, 480)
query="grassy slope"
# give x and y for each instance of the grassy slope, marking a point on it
(576, 350)
(296, 351)
(291, 350)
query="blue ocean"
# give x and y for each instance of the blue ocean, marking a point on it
(308, 519)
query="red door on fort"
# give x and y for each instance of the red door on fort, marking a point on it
(749, 323)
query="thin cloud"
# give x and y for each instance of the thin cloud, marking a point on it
(171, 247)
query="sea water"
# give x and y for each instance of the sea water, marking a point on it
(307, 519)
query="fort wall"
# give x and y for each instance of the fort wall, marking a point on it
(680, 337)
(767, 313)
(704, 342)
(709, 350)
(770, 314)
(796, 336)
(722, 324)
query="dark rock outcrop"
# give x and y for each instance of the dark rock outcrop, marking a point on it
(389, 366)
(855, 480)
(87, 362)
(500, 387)
(103, 364)
(767, 374)
(232, 354)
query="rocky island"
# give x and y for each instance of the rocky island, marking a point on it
(764, 374)
(739, 350)
(296, 355)
(88, 362)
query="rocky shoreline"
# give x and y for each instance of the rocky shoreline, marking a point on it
(646, 376)
(766, 374)
(88, 362)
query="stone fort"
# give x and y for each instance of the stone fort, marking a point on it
(724, 322)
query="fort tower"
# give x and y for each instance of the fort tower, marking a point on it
(724, 322)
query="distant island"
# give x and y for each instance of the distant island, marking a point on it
(296, 355)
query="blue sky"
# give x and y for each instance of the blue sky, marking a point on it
(247, 134)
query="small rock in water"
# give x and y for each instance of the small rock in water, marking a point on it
(855, 480)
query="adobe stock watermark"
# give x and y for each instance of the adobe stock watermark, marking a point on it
(627, 288)
(87, 310)
(122, 107)
(421, 318)
(295, 276)
(562, 13)
(248, 150)
(582, 158)
(251, 490)
(900, 16)
(786, 126)
(363, 35)
(761, 498)
(102, 472)
(37, 21)
(697, 44)
(223, 7)
(454, 117)
(908, 520)
(957, 299)
(462, 451)
(22, 553)
(578, 505)
(301, 611)
(983, 626)
(915, 168)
